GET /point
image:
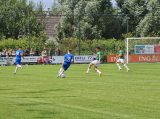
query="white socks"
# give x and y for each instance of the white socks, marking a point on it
(98, 71)
(60, 70)
(19, 65)
(118, 66)
(126, 66)
(60, 73)
(16, 69)
(88, 70)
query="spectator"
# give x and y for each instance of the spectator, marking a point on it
(44, 52)
(26, 53)
(35, 52)
(7, 54)
(0, 54)
(57, 53)
(14, 53)
(3, 54)
(5, 50)
(10, 53)
(50, 52)
(31, 52)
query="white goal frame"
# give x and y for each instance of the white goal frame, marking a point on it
(138, 38)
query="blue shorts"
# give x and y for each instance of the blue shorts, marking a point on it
(18, 61)
(66, 65)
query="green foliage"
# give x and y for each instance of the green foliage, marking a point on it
(91, 27)
(16, 16)
(150, 24)
(35, 42)
(109, 47)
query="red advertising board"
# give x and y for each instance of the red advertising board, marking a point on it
(136, 58)
(156, 48)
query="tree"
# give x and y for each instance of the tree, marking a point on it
(134, 11)
(151, 22)
(91, 26)
(16, 16)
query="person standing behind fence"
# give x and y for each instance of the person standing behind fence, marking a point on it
(57, 53)
(3, 54)
(44, 52)
(31, 52)
(14, 53)
(0, 54)
(10, 53)
(35, 52)
(50, 52)
(26, 53)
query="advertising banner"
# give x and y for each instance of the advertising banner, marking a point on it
(33, 59)
(136, 58)
(144, 49)
(147, 49)
(83, 58)
(156, 48)
(10, 60)
(2, 61)
(57, 59)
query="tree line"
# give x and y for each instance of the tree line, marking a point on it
(86, 19)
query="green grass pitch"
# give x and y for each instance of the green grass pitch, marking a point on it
(35, 93)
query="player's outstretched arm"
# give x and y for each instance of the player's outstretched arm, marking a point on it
(95, 54)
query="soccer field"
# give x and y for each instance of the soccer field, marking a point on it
(35, 93)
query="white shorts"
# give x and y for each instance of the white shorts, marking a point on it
(120, 60)
(95, 62)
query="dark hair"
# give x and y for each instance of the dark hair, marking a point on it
(20, 46)
(120, 47)
(98, 47)
(69, 50)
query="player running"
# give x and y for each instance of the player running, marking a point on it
(18, 59)
(68, 58)
(121, 59)
(95, 62)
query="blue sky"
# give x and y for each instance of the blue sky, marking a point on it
(48, 3)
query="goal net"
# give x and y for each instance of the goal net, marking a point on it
(145, 49)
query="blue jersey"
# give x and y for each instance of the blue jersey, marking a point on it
(68, 58)
(18, 54)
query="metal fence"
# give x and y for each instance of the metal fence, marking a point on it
(86, 28)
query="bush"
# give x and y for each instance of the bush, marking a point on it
(87, 47)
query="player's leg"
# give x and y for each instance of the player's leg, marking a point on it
(17, 65)
(117, 63)
(20, 65)
(60, 69)
(90, 64)
(60, 73)
(63, 68)
(95, 68)
(125, 66)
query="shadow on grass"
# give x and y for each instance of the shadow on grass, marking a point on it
(43, 112)
(6, 89)
(44, 117)
(45, 91)
(29, 97)
(33, 104)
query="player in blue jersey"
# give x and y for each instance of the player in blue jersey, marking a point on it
(68, 58)
(18, 59)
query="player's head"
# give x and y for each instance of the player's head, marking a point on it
(20, 48)
(119, 48)
(98, 49)
(69, 51)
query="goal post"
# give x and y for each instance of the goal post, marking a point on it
(139, 49)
